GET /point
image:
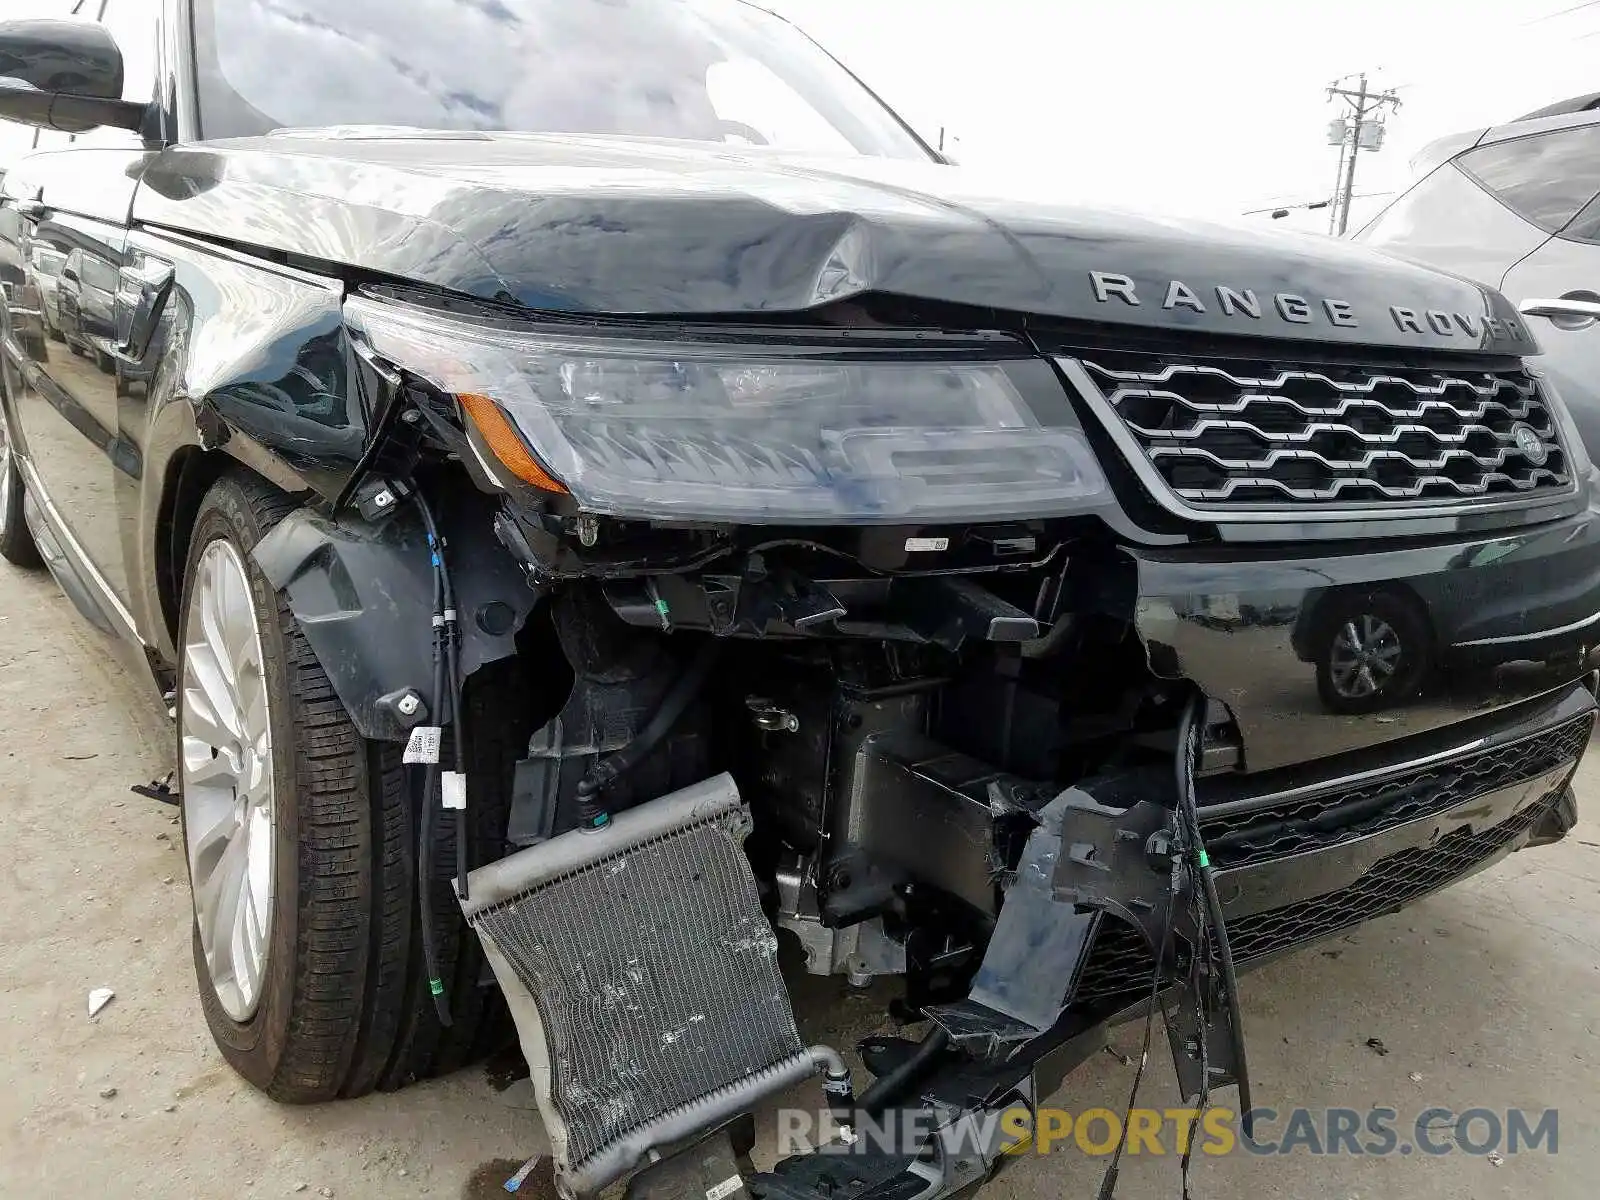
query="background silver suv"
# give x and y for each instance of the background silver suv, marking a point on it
(1517, 206)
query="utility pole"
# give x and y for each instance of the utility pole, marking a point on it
(1361, 130)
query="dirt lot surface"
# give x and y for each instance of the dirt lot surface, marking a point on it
(1488, 995)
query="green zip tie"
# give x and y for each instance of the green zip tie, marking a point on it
(1205, 859)
(436, 987)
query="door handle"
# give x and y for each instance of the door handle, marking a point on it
(1571, 310)
(142, 289)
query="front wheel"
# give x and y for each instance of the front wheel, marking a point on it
(1375, 652)
(298, 834)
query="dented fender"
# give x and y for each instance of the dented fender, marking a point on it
(363, 595)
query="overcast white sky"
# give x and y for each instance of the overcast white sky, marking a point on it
(1205, 106)
(1188, 106)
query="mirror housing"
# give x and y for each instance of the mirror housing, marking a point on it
(64, 75)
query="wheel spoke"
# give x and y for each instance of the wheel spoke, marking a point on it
(216, 898)
(1351, 637)
(209, 700)
(204, 767)
(209, 842)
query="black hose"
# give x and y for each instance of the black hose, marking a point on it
(592, 811)
(1188, 738)
(889, 1087)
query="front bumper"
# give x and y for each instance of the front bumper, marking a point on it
(1494, 609)
(1302, 858)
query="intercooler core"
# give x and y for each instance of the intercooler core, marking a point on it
(643, 977)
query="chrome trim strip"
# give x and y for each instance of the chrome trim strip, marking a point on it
(1510, 638)
(109, 599)
(1133, 454)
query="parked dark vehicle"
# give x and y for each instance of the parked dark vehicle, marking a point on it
(599, 490)
(84, 305)
(47, 263)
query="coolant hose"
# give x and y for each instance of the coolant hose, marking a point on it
(608, 770)
(889, 1087)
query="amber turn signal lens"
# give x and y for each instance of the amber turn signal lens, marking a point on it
(505, 443)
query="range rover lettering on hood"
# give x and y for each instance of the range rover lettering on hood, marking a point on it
(1111, 286)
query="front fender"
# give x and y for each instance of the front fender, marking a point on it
(363, 594)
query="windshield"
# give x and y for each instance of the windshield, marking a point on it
(702, 70)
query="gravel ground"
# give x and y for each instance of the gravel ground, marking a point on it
(1485, 996)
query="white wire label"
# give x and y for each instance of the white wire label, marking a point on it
(423, 745)
(453, 789)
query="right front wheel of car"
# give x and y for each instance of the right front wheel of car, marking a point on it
(300, 836)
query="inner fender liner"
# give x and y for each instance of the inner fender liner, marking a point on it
(363, 594)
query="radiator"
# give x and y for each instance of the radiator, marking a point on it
(643, 978)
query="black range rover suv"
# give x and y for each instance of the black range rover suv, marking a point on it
(599, 492)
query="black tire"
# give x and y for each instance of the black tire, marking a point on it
(16, 540)
(345, 1006)
(1411, 668)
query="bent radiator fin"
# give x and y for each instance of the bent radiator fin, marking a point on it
(643, 977)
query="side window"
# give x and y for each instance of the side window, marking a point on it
(133, 24)
(1546, 178)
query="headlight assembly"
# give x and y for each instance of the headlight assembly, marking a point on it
(783, 430)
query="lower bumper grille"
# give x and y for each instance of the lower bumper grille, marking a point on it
(1258, 834)
(1120, 963)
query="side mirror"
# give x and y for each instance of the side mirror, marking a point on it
(64, 75)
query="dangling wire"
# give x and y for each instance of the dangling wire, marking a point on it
(446, 694)
(1213, 929)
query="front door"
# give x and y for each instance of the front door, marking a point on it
(74, 203)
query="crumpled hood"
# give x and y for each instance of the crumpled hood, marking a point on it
(606, 225)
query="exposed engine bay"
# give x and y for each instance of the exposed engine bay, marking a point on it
(900, 756)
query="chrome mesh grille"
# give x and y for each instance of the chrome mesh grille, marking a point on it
(1226, 433)
(655, 973)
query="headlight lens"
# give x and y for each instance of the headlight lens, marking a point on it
(757, 433)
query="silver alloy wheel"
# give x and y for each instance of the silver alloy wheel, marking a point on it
(1364, 656)
(225, 750)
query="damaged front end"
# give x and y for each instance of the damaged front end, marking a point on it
(846, 633)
